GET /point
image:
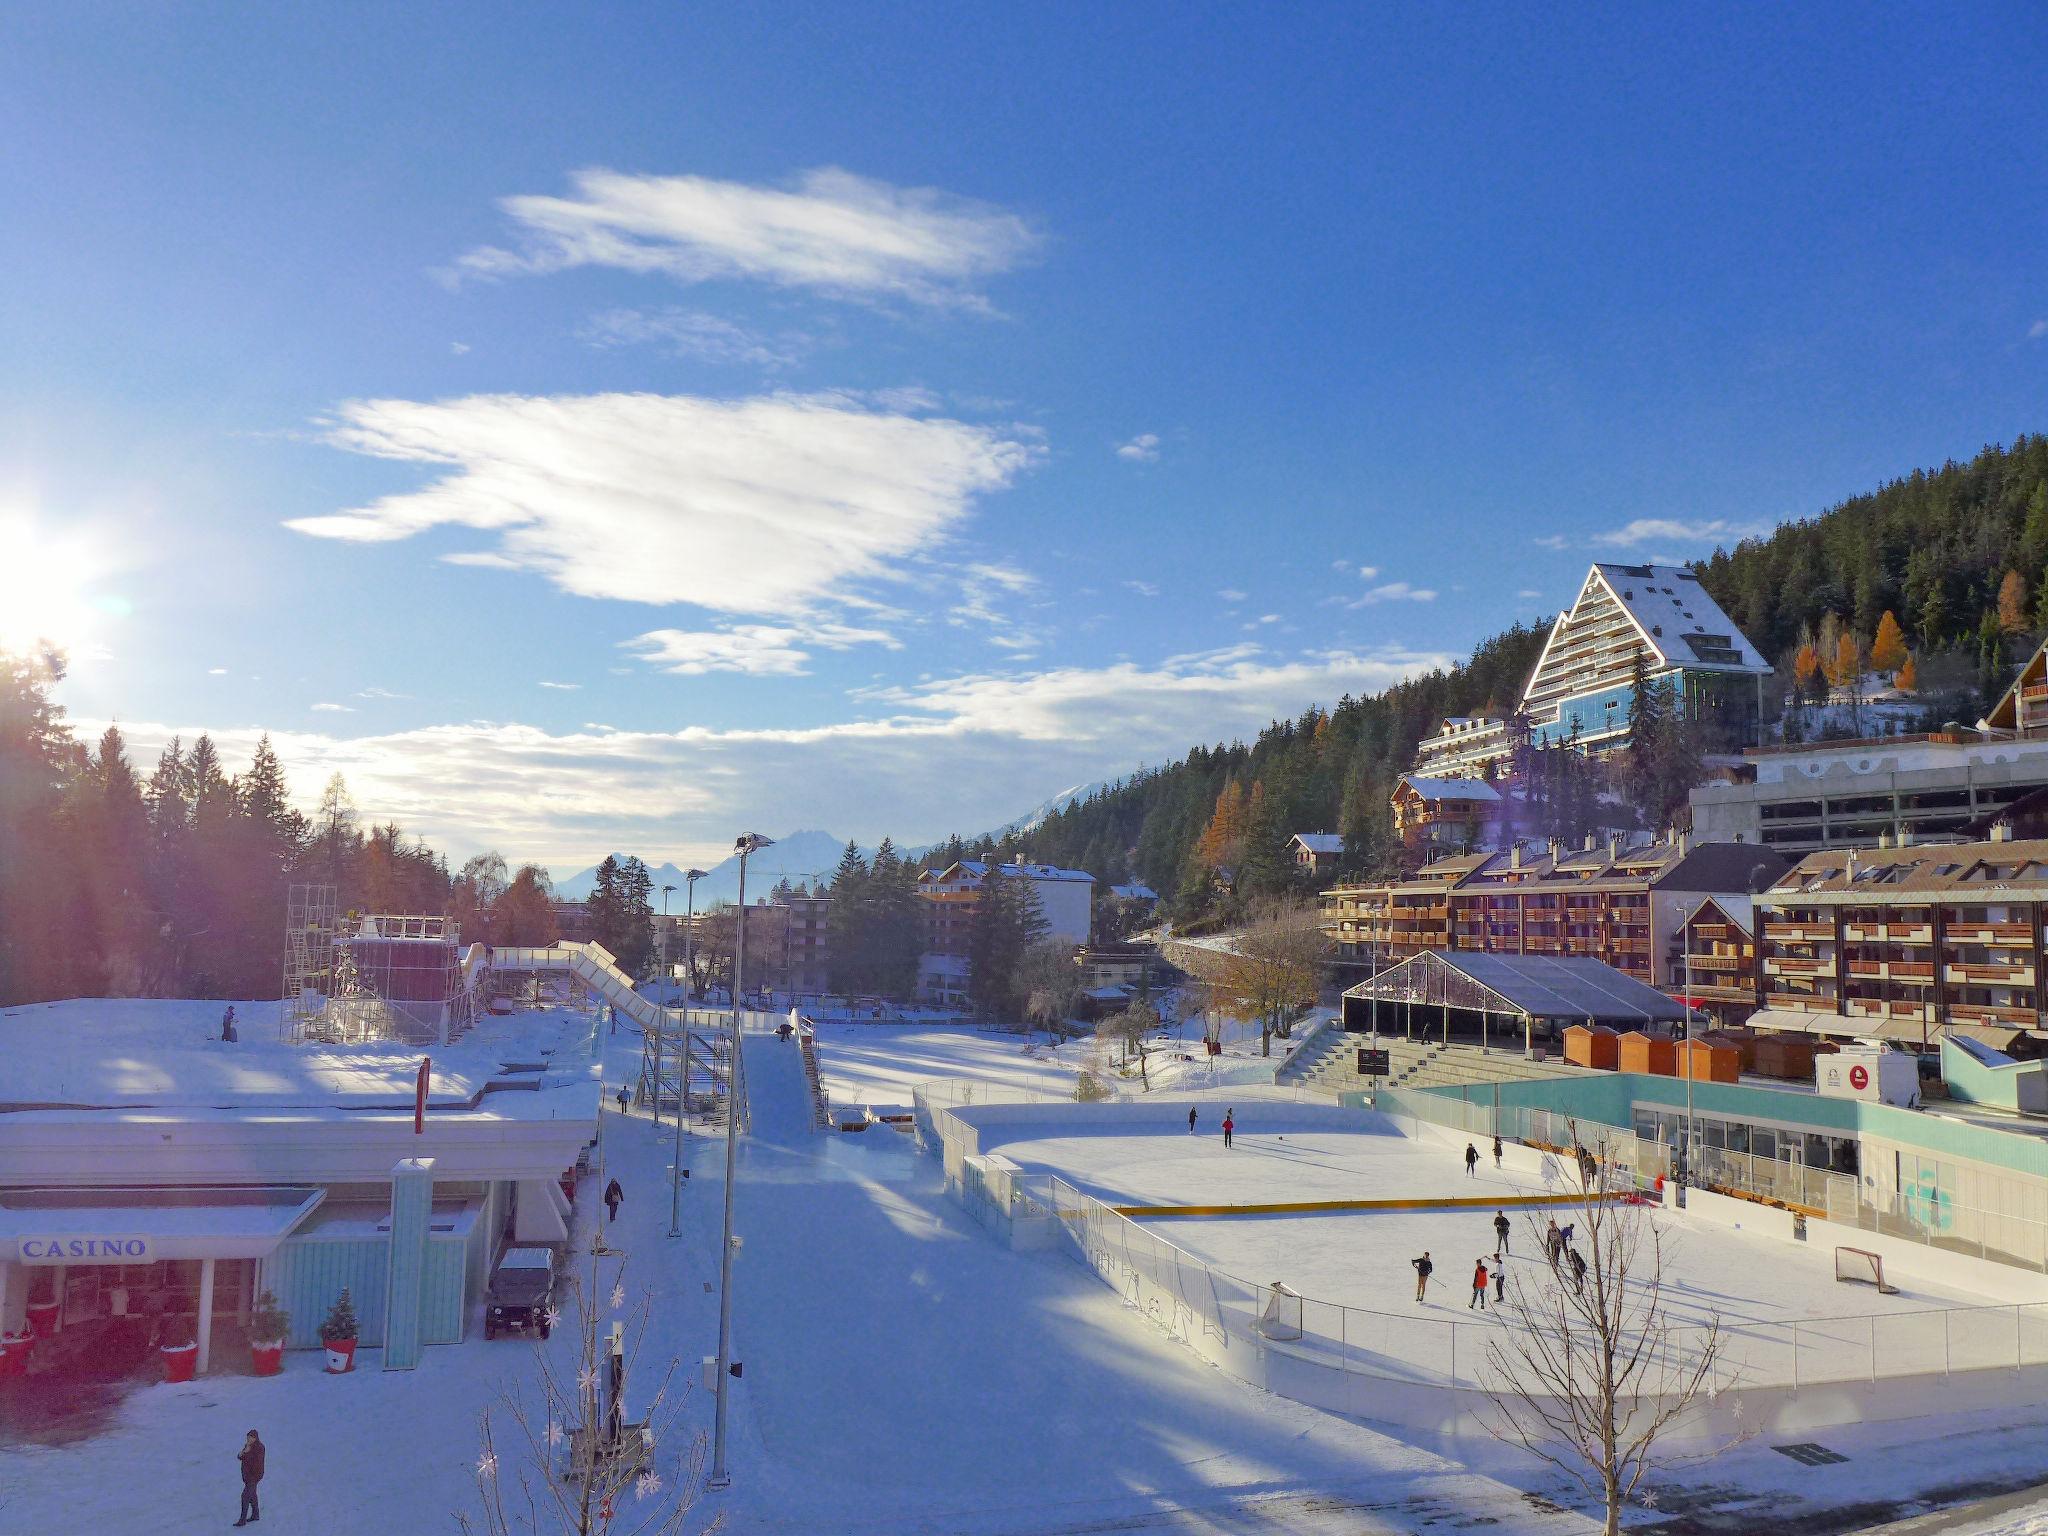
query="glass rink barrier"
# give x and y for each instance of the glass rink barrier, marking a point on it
(1439, 1373)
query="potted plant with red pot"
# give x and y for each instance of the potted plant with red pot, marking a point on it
(15, 1349)
(338, 1333)
(180, 1352)
(268, 1325)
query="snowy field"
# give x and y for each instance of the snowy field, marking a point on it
(905, 1372)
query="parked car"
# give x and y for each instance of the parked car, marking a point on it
(521, 1293)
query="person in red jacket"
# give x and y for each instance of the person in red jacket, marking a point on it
(1229, 1125)
(1478, 1287)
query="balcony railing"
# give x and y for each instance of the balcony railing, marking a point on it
(1801, 1002)
(1988, 1013)
(1799, 933)
(1799, 965)
(2011, 974)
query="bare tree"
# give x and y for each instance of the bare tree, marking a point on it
(1274, 966)
(1051, 985)
(1128, 1027)
(1590, 1374)
(571, 1461)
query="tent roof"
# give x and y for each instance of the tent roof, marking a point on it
(1540, 986)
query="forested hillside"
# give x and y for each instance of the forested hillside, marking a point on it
(1959, 556)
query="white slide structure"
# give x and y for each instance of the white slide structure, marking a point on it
(591, 964)
(778, 1090)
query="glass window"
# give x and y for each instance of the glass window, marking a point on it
(1738, 1136)
(1763, 1143)
(1820, 1152)
(1716, 1133)
(1646, 1125)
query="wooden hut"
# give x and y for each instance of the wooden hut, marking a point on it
(1656, 1055)
(1711, 1060)
(1590, 1045)
(1789, 1057)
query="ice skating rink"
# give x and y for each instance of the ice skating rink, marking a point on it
(1361, 1259)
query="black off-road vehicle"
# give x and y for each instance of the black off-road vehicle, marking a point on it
(521, 1294)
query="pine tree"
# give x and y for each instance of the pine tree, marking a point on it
(847, 927)
(1888, 649)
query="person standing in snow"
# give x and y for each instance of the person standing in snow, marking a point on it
(227, 1024)
(1578, 1270)
(1423, 1270)
(1553, 1243)
(1500, 1230)
(251, 1458)
(1478, 1286)
(1229, 1125)
(1500, 1279)
(1471, 1161)
(612, 1196)
(1191, 1120)
(1496, 1152)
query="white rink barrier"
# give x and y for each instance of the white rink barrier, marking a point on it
(1434, 1375)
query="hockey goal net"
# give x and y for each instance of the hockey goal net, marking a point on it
(1860, 1264)
(1282, 1317)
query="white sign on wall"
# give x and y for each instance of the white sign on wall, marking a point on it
(113, 1249)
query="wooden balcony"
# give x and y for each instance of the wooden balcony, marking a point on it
(1717, 962)
(1799, 933)
(1800, 1002)
(1988, 1013)
(1920, 971)
(1897, 933)
(1799, 965)
(2008, 973)
(1870, 968)
(1883, 1008)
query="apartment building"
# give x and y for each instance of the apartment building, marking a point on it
(1905, 942)
(1716, 971)
(1066, 900)
(1464, 747)
(1444, 816)
(807, 953)
(1612, 901)
(1582, 688)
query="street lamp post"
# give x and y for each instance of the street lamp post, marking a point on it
(751, 842)
(675, 1172)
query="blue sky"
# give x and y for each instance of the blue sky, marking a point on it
(879, 418)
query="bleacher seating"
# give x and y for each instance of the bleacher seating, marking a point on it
(1331, 1064)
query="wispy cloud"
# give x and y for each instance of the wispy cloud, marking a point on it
(1528, 592)
(216, 671)
(1367, 572)
(1647, 530)
(381, 693)
(1142, 588)
(561, 687)
(764, 506)
(324, 708)
(1231, 595)
(1142, 449)
(1551, 541)
(2037, 330)
(1393, 592)
(694, 333)
(986, 592)
(832, 231)
(761, 650)
(458, 347)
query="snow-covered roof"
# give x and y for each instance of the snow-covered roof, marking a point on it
(1320, 842)
(979, 869)
(1679, 620)
(1449, 789)
(1137, 890)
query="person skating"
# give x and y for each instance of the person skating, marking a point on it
(1423, 1270)
(1496, 1154)
(1191, 1120)
(251, 1458)
(227, 1024)
(1553, 1243)
(612, 1196)
(1471, 1161)
(1578, 1270)
(1500, 1230)
(1500, 1279)
(1478, 1286)
(1564, 1235)
(1229, 1125)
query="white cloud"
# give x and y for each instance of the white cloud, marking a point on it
(1142, 588)
(561, 687)
(381, 693)
(834, 232)
(1551, 541)
(1644, 530)
(761, 506)
(1393, 592)
(216, 671)
(2037, 330)
(1142, 449)
(693, 333)
(1367, 572)
(333, 709)
(963, 753)
(982, 588)
(1231, 595)
(1529, 592)
(761, 650)
(458, 347)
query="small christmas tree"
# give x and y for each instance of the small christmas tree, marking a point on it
(341, 1320)
(268, 1322)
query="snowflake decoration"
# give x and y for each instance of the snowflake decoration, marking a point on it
(1741, 1410)
(618, 1297)
(486, 1466)
(586, 1379)
(1649, 1498)
(553, 1318)
(646, 1485)
(554, 1434)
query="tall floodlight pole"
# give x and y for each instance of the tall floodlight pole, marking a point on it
(675, 1171)
(667, 976)
(751, 842)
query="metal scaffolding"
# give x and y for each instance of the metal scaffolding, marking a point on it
(309, 930)
(387, 976)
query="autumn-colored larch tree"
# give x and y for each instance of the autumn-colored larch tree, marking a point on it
(1907, 678)
(2012, 604)
(1888, 649)
(1848, 665)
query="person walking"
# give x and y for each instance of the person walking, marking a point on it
(1496, 1153)
(1500, 1279)
(1500, 1231)
(624, 1096)
(1191, 1120)
(1478, 1286)
(227, 1024)
(1423, 1270)
(1578, 1270)
(1229, 1125)
(1471, 1161)
(1553, 1244)
(613, 1195)
(251, 1458)
(1564, 1236)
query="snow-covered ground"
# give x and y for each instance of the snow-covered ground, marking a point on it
(905, 1372)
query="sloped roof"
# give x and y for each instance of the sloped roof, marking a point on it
(1671, 607)
(1541, 986)
(1137, 890)
(1977, 871)
(980, 868)
(1320, 842)
(2005, 714)
(1446, 789)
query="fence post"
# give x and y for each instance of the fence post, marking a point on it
(1944, 1344)
(1872, 1321)
(1795, 1357)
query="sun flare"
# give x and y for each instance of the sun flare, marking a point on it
(48, 586)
